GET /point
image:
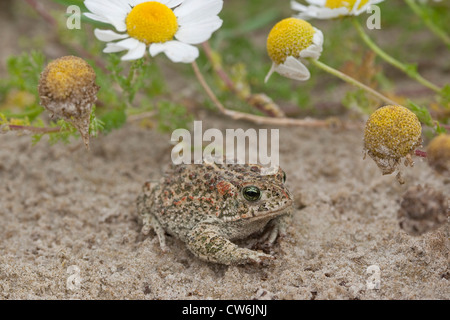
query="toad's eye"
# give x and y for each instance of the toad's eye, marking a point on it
(284, 177)
(251, 193)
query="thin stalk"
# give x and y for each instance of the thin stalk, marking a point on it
(409, 70)
(218, 69)
(352, 81)
(39, 8)
(429, 22)
(255, 118)
(260, 102)
(34, 130)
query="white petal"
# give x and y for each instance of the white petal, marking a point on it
(119, 23)
(169, 3)
(173, 3)
(272, 69)
(318, 37)
(196, 10)
(134, 3)
(135, 53)
(124, 5)
(110, 12)
(315, 50)
(298, 7)
(198, 32)
(128, 44)
(175, 50)
(293, 68)
(319, 12)
(105, 9)
(317, 2)
(355, 11)
(327, 13)
(112, 47)
(365, 7)
(312, 51)
(96, 17)
(108, 35)
(332, 13)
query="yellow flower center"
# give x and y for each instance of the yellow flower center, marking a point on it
(67, 75)
(151, 22)
(288, 38)
(349, 4)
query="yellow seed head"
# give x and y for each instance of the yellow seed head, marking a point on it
(288, 38)
(392, 132)
(151, 22)
(438, 153)
(66, 77)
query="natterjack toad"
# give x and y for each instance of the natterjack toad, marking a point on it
(209, 205)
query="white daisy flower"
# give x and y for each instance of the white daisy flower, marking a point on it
(169, 26)
(289, 42)
(329, 9)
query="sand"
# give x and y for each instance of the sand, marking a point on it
(62, 206)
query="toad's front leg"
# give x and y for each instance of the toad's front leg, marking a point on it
(275, 228)
(207, 242)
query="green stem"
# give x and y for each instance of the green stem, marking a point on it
(37, 130)
(410, 70)
(29, 113)
(352, 81)
(429, 22)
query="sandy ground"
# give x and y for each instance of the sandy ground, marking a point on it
(62, 206)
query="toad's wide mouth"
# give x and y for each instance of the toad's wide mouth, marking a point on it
(282, 210)
(287, 208)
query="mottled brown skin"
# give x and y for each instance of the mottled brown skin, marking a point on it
(208, 205)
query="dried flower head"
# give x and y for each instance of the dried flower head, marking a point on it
(422, 209)
(392, 133)
(438, 153)
(67, 89)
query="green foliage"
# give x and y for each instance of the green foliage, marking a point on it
(411, 69)
(251, 24)
(67, 131)
(358, 100)
(24, 71)
(113, 119)
(422, 113)
(445, 93)
(425, 117)
(67, 3)
(139, 75)
(95, 125)
(172, 116)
